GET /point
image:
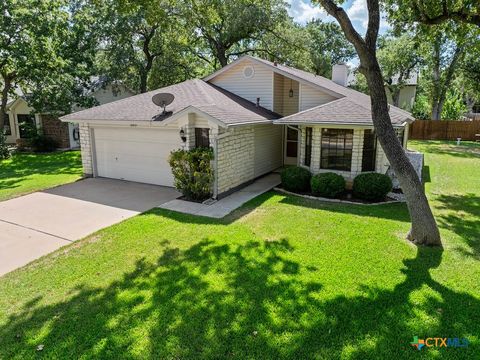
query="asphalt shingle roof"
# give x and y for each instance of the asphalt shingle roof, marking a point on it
(216, 102)
(340, 111)
(351, 107)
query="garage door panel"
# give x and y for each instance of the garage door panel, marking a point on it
(135, 154)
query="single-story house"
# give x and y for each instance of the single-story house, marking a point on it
(256, 115)
(66, 135)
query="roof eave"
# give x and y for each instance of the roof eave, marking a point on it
(325, 123)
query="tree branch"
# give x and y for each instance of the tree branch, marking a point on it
(458, 15)
(373, 24)
(341, 16)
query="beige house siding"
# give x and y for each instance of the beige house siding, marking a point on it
(268, 148)
(284, 104)
(246, 152)
(406, 99)
(311, 97)
(260, 85)
(86, 149)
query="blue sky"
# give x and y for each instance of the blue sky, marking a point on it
(303, 11)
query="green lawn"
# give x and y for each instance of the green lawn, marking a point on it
(26, 173)
(280, 278)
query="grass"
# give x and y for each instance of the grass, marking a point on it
(281, 278)
(26, 173)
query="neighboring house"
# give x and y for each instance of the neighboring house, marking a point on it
(65, 135)
(255, 114)
(406, 96)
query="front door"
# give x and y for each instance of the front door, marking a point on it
(291, 146)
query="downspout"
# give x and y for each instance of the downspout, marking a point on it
(215, 162)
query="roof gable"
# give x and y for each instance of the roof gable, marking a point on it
(320, 82)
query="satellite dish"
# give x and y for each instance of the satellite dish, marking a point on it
(162, 100)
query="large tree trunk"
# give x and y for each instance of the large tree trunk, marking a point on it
(440, 88)
(424, 229)
(436, 110)
(221, 56)
(7, 84)
(396, 96)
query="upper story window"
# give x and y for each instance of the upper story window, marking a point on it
(336, 152)
(202, 137)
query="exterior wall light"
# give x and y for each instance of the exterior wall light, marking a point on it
(182, 135)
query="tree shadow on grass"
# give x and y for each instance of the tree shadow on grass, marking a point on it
(462, 216)
(245, 301)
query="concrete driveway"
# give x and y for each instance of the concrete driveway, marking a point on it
(37, 224)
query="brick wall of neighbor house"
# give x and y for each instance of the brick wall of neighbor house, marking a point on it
(235, 164)
(85, 145)
(57, 130)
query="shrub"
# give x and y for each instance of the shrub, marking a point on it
(42, 143)
(295, 178)
(4, 150)
(192, 172)
(327, 184)
(372, 186)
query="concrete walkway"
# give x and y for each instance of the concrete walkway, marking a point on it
(225, 206)
(36, 224)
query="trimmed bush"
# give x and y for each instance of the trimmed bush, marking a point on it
(41, 143)
(372, 186)
(295, 178)
(327, 184)
(192, 172)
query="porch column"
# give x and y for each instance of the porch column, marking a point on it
(316, 149)
(357, 152)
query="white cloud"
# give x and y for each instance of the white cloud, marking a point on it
(303, 11)
(358, 14)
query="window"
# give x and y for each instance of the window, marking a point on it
(202, 137)
(337, 145)
(26, 122)
(308, 146)
(7, 130)
(292, 142)
(369, 150)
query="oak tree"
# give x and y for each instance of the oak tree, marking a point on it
(424, 229)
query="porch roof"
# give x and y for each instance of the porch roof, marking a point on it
(342, 111)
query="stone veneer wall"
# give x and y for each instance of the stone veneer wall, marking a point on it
(357, 154)
(57, 130)
(85, 145)
(236, 158)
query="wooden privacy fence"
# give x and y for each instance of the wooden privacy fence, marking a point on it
(444, 130)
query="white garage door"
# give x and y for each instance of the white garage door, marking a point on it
(135, 154)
